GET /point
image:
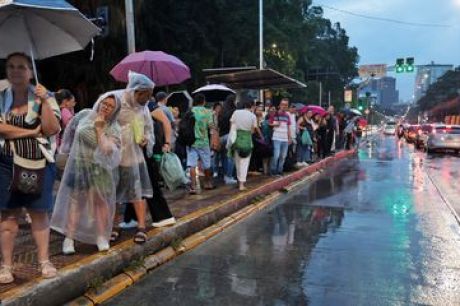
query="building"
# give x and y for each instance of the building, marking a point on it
(427, 75)
(382, 90)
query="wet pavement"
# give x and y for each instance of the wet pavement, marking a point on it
(371, 231)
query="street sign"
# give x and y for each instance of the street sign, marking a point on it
(348, 96)
(367, 71)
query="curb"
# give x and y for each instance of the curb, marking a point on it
(194, 229)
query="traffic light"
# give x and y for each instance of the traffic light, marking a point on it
(360, 107)
(399, 65)
(410, 64)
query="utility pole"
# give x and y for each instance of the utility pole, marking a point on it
(130, 32)
(329, 98)
(261, 44)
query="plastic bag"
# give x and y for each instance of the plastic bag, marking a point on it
(172, 171)
(138, 129)
(306, 139)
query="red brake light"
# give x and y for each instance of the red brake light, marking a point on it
(434, 131)
(420, 132)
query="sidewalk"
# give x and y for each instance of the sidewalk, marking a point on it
(194, 213)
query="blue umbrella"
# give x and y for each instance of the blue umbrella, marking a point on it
(43, 28)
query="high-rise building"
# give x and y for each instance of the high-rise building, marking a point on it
(427, 75)
(383, 90)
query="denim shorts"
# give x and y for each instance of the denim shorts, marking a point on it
(195, 154)
(11, 201)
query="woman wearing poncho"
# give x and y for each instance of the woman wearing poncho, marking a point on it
(86, 200)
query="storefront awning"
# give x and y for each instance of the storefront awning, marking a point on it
(256, 79)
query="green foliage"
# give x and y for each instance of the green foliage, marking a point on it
(446, 88)
(215, 33)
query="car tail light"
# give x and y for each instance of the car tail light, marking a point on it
(420, 132)
(434, 131)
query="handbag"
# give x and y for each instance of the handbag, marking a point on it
(215, 141)
(28, 174)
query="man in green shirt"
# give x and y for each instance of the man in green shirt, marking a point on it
(200, 150)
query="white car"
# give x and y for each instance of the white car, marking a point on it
(390, 128)
(444, 137)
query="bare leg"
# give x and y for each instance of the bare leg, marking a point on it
(193, 177)
(74, 215)
(8, 231)
(41, 233)
(101, 210)
(139, 207)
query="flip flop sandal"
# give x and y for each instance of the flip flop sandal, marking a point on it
(140, 237)
(114, 236)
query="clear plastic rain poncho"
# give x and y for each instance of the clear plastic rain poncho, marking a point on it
(86, 200)
(136, 125)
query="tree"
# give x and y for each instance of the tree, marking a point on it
(214, 33)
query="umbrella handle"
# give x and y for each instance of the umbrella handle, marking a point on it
(33, 65)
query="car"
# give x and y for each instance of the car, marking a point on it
(444, 137)
(390, 128)
(422, 136)
(411, 133)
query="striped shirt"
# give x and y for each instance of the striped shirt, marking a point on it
(280, 132)
(25, 147)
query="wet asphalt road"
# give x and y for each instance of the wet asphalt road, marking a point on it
(370, 231)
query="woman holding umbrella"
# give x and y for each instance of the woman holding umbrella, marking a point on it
(28, 112)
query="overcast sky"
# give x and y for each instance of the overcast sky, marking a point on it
(380, 42)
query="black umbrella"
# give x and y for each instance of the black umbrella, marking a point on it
(181, 100)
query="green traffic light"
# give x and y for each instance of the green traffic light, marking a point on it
(409, 68)
(360, 107)
(399, 69)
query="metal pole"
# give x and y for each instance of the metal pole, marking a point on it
(261, 44)
(261, 34)
(329, 98)
(130, 32)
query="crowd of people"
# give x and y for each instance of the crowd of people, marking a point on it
(114, 152)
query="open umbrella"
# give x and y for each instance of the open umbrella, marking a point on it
(162, 68)
(314, 108)
(362, 122)
(355, 112)
(180, 99)
(43, 28)
(214, 92)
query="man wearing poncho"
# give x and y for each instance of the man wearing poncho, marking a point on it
(136, 135)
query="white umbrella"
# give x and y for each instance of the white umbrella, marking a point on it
(43, 28)
(214, 92)
(355, 111)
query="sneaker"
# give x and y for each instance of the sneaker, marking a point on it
(102, 244)
(305, 164)
(165, 222)
(68, 246)
(130, 224)
(299, 165)
(229, 180)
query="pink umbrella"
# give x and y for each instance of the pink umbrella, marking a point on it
(362, 122)
(314, 108)
(162, 68)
